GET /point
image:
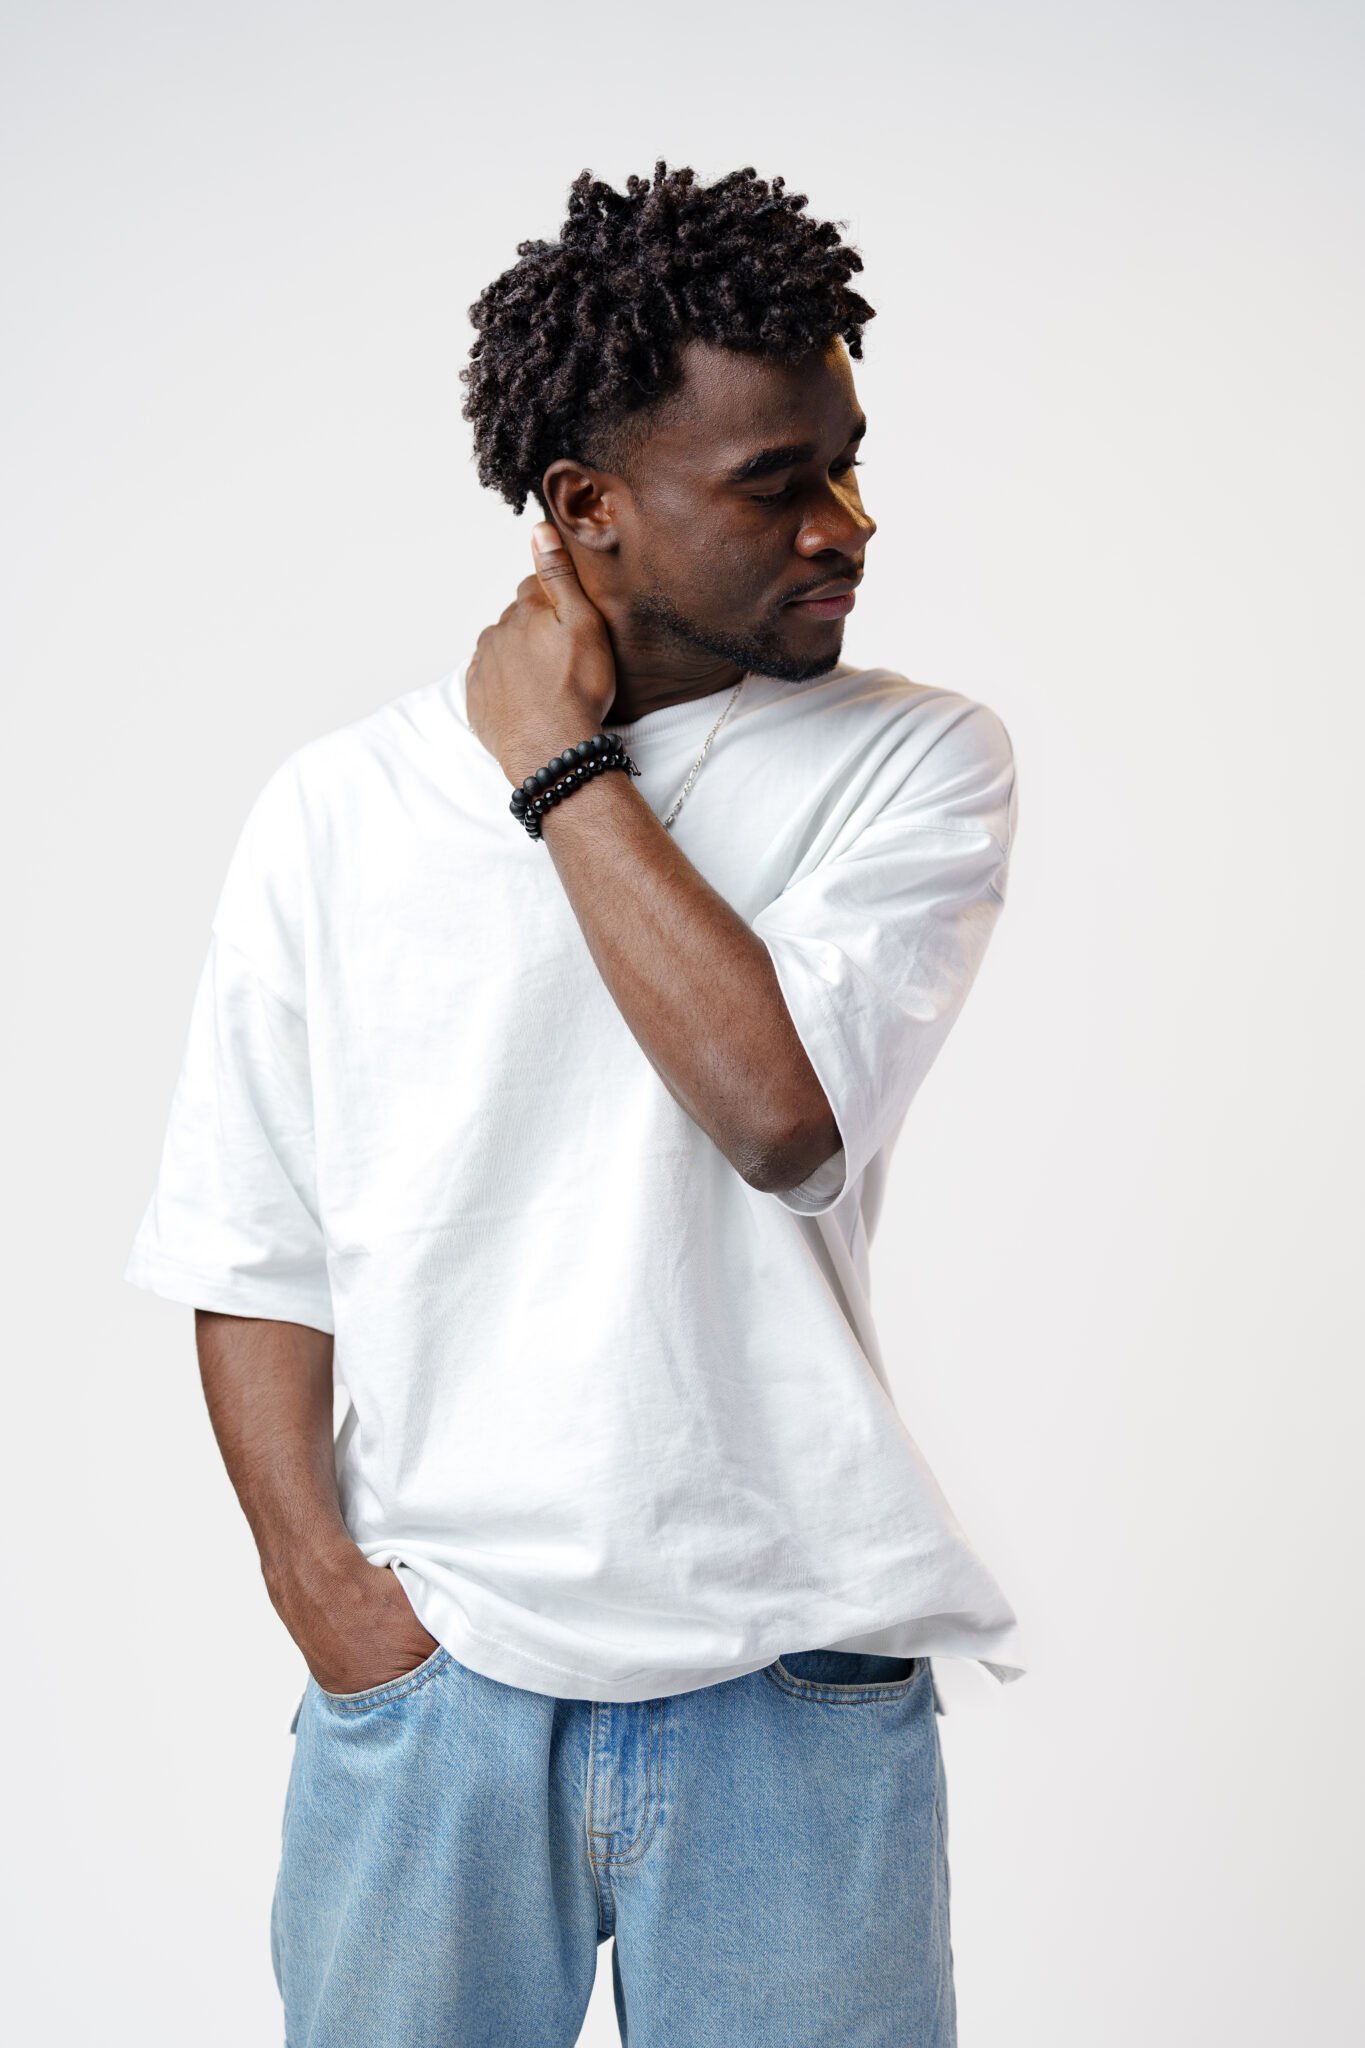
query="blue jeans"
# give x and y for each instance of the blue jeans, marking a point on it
(769, 1854)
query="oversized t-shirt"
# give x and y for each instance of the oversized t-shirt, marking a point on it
(618, 1420)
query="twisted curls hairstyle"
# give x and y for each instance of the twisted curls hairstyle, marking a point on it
(583, 336)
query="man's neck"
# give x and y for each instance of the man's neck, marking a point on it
(651, 681)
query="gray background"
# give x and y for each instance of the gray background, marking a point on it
(1114, 458)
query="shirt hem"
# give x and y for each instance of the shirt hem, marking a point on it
(508, 1664)
(266, 1301)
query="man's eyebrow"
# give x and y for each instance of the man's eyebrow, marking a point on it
(769, 459)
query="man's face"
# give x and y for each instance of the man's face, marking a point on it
(744, 497)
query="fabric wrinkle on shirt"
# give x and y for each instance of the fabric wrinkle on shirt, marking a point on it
(619, 1422)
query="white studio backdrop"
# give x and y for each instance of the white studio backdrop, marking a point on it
(1114, 457)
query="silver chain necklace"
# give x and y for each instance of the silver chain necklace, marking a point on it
(678, 800)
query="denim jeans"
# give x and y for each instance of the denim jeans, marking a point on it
(769, 1854)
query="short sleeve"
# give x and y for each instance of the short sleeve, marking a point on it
(234, 1223)
(877, 945)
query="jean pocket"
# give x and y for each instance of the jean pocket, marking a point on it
(395, 1689)
(844, 1677)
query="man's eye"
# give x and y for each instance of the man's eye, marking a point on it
(776, 497)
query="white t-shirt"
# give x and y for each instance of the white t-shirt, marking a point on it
(618, 1420)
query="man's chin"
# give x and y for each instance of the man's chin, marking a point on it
(766, 652)
(798, 668)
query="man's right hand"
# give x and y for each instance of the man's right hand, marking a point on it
(351, 1619)
(270, 1390)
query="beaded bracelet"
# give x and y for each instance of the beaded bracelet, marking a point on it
(566, 773)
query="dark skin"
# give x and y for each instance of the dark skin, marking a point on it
(657, 590)
(656, 595)
(268, 1386)
(687, 569)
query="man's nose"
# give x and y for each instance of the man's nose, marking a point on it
(849, 530)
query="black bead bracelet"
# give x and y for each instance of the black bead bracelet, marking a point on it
(566, 773)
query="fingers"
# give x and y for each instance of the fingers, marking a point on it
(549, 551)
(555, 571)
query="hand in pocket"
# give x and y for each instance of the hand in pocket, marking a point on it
(354, 1624)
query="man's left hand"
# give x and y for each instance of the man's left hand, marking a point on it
(545, 675)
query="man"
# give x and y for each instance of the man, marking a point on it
(558, 1022)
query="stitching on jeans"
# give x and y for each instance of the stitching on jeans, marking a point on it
(644, 1835)
(359, 1703)
(831, 1695)
(604, 1920)
(653, 1783)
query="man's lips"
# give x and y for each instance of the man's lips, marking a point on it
(832, 607)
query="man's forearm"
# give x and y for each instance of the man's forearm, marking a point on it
(696, 986)
(269, 1391)
(268, 1386)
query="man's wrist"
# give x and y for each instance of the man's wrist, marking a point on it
(314, 1569)
(533, 746)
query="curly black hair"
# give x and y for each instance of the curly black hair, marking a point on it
(581, 337)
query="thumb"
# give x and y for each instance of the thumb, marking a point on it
(554, 566)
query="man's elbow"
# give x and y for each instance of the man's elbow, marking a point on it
(796, 1156)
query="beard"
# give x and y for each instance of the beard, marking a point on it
(762, 652)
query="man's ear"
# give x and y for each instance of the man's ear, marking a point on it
(583, 504)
